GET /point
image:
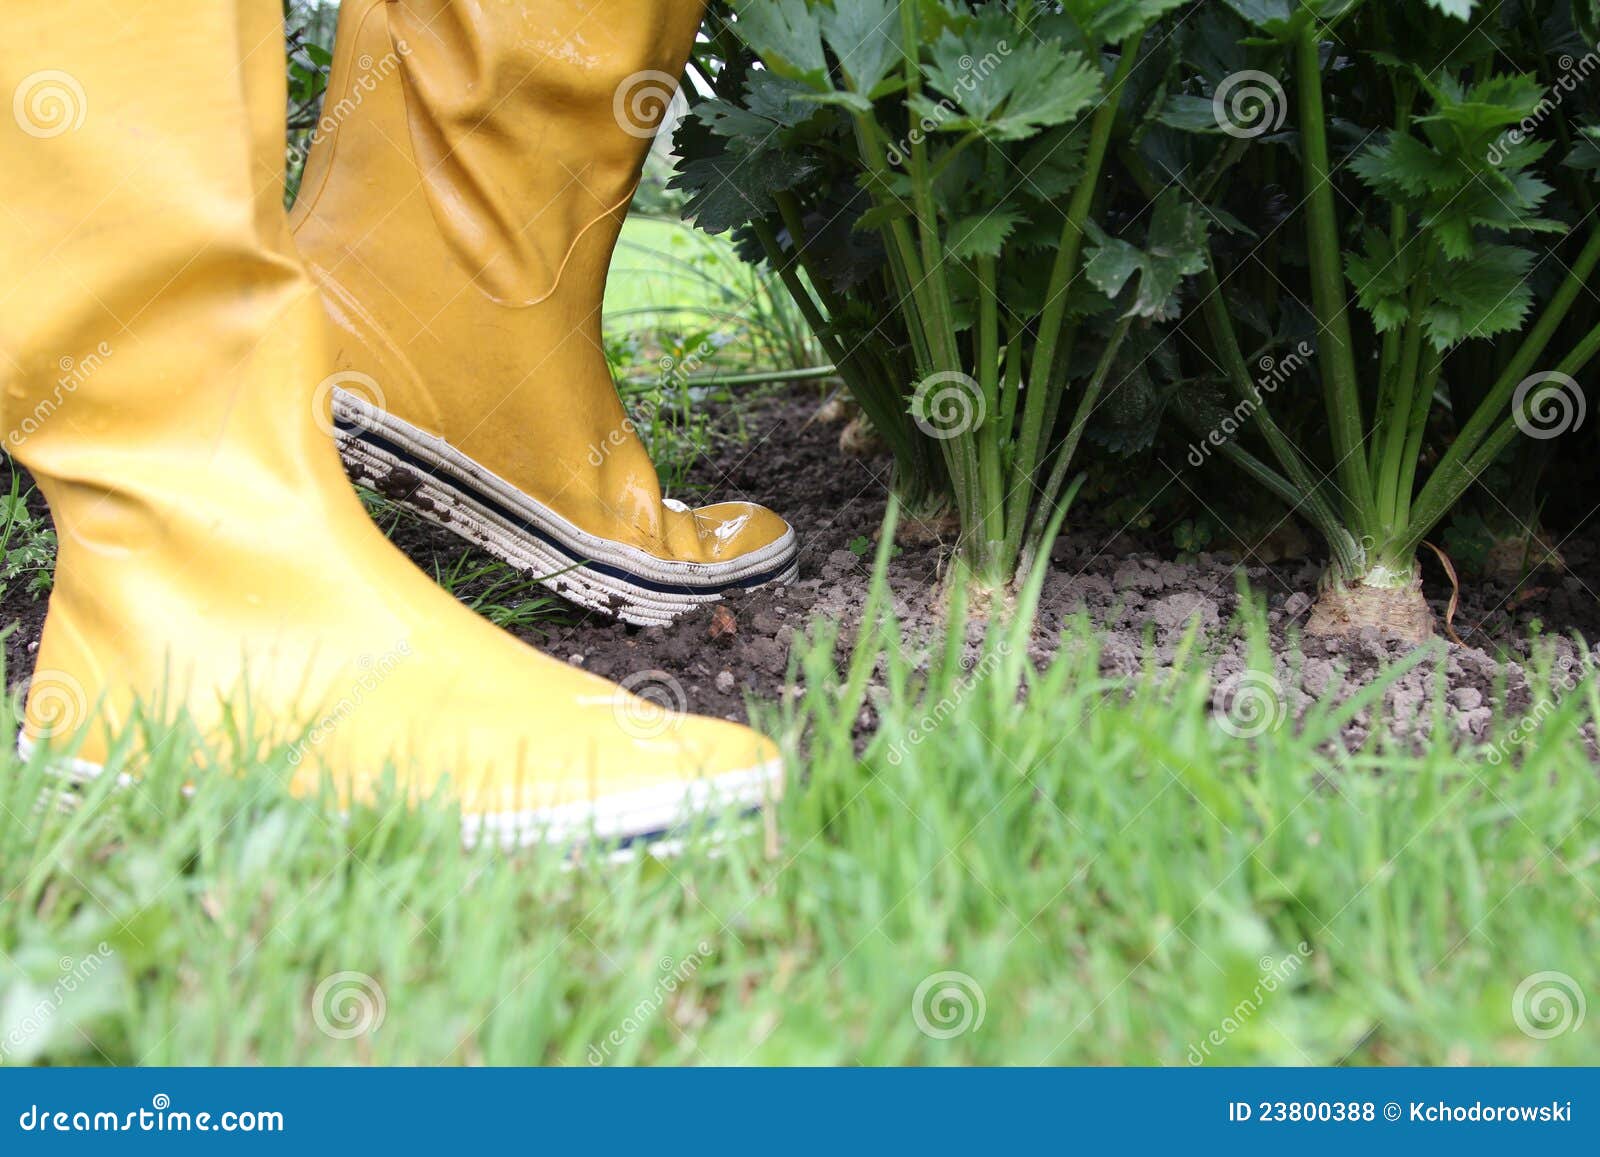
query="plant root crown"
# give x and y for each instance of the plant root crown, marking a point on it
(1396, 611)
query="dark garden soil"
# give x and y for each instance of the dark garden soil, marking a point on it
(1137, 593)
(1136, 590)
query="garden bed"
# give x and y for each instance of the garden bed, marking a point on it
(1132, 587)
(1137, 592)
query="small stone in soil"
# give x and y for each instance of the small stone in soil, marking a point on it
(722, 622)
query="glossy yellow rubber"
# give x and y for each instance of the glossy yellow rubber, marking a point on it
(161, 350)
(459, 210)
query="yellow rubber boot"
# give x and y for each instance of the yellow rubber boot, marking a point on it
(463, 195)
(160, 352)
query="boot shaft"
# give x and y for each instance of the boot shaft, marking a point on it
(460, 208)
(148, 255)
(527, 122)
(160, 342)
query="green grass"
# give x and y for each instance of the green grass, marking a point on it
(1118, 877)
(507, 597)
(502, 594)
(687, 323)
(670, 284)
(653, 265)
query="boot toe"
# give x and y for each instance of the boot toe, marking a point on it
(725, 531)
(637, 769)
(533, 750)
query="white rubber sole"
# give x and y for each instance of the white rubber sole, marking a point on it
(626, 819)
(453, 491)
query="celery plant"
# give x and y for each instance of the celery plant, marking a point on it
(1438, 255)
(936, 169)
